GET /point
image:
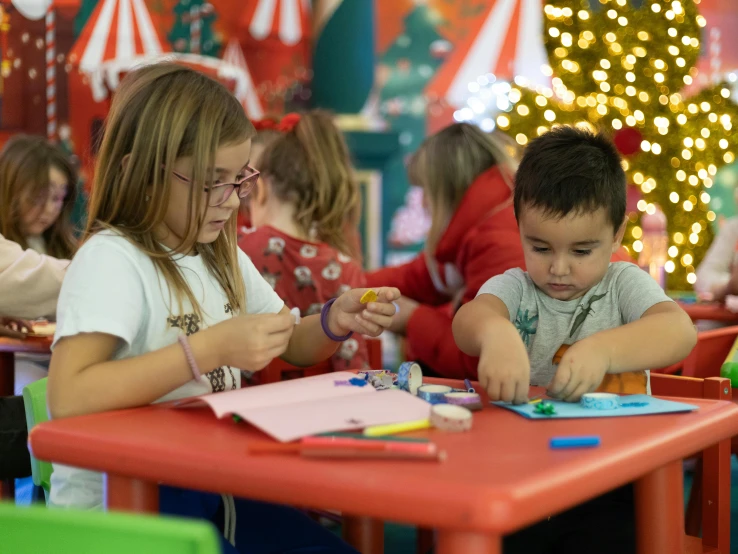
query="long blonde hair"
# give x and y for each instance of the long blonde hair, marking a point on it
(447, 164)
(160, 113)
(309, 166)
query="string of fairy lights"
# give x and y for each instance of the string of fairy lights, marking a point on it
(622, 68)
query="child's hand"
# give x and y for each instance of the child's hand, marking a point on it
(14, 328)
(349, 314)
(581, 370)
(251, 342)
(407, 307)
(504, 371)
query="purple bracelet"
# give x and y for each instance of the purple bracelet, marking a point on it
(324, 323)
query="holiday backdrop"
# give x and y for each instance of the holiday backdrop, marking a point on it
(410, 69)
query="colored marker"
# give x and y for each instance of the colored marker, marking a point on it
(468, 385)
(362, 437)
(574, 442)
(395, 428)
(389, 446)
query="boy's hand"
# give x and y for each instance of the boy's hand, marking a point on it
(581, 370)
(504, 372)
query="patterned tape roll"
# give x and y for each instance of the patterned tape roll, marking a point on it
(410, 377)
(469, 400)
(600, 401)
(435, 394)
(448, 417)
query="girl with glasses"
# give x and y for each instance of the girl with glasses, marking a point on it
(305, 211)
(159, 303)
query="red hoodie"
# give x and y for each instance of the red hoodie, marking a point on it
(481, 241)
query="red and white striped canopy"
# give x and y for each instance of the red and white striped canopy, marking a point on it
(506, 42)
(118, 31)
(289, 20)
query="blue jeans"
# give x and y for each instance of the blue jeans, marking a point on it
(261, 527)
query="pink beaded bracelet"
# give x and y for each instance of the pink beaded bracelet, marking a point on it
(190, 357)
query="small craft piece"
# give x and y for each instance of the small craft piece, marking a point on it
(435, 394)
(410, 377)
(469, 400)
(369, 296)
(545, 408)
(448, 417)
(468, 385)
(600, 401)
(296, 312)
(395, 428)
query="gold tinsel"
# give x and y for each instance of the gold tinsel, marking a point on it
(616, 67)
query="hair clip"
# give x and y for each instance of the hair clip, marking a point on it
(289, 122)
(264, 124)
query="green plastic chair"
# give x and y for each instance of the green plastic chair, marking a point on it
(36, 529)
(34, 401)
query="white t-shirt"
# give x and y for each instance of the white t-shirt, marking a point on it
(113, 287)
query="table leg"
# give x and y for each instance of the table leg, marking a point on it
(461, 542)
(131, 495)
(7, 374)
(659, 505)
(364, 533)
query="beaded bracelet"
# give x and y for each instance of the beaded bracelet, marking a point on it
(190, 357)
(324, 323)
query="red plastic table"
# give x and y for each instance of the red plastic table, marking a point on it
(8, 349)
(709, 311)
(498, 478)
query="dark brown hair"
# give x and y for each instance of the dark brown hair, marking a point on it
(24, 182)
(309, 166)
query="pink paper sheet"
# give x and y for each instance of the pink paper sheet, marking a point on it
(293, 409)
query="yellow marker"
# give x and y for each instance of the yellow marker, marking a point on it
(395, 428)
(535, 401)
(369, 296)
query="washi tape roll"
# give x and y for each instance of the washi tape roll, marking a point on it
(469, 400)
(435, 394)
(410, 377)
(448, 417)
(600, 401)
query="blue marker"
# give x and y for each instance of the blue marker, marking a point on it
(574, 442)
(468, 386)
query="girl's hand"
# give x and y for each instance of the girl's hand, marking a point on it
(349, 314)
(251, 342)
(14, 328)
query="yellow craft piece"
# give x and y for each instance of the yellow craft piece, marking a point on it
(369, 296)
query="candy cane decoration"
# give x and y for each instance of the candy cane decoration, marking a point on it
(50, 74)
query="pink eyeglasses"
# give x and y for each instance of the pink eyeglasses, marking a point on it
(220, 192)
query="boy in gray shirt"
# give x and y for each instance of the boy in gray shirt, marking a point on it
(573, 322)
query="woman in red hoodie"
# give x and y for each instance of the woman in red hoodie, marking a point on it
(467, 179)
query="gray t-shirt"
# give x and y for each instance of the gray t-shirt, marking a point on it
(544, 323)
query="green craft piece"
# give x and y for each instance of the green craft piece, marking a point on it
(545, 408)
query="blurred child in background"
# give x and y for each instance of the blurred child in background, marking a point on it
(37, 195)
(305, 210)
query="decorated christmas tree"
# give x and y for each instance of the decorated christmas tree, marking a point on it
(193, 28)
(405, 69)
(621, 68)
